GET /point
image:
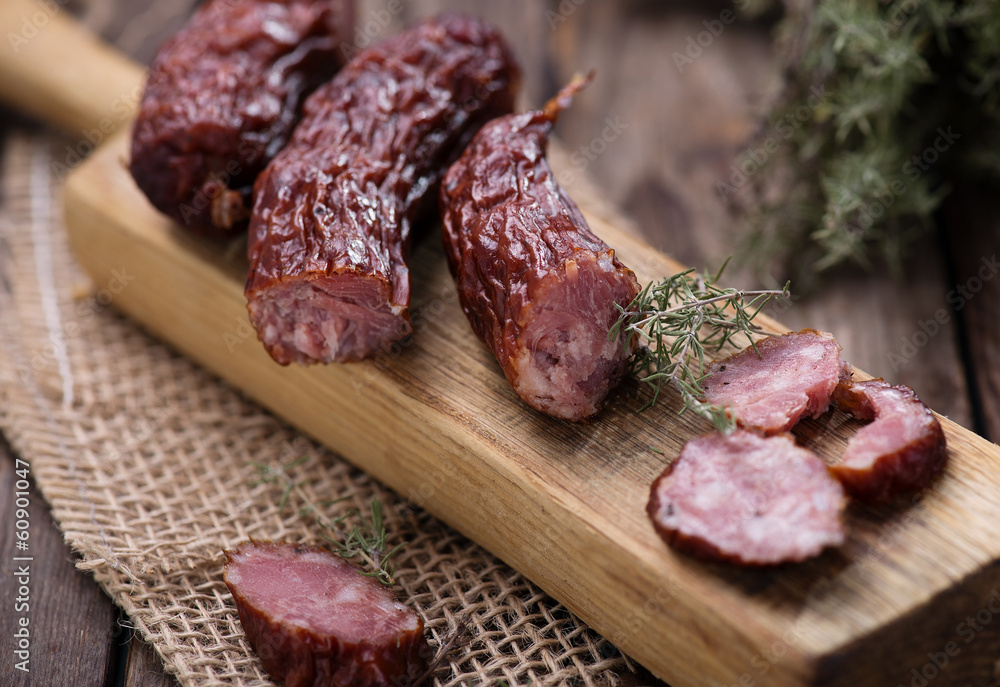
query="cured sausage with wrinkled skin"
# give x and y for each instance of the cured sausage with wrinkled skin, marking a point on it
(539, 289)
(222, 97)
(315, 620)
(902, 450)
(330, 232)
(793, 377)
(748, 499)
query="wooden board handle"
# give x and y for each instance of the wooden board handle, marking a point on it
(55, 69)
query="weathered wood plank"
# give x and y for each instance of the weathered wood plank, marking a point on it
(657, 134)
(972, 218)
(137, 28)
(70, 621)
(88, 107)
(686, 125)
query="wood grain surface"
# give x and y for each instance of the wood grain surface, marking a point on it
(973, 242)
(685, 130)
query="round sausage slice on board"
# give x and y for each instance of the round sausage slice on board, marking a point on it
(748, 499)
(784, 379)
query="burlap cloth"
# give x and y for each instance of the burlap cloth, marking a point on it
(147, 462)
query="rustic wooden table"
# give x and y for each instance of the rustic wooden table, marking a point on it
(656, 139)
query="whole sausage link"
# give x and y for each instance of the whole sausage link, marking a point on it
(330, 232)
(539, 288)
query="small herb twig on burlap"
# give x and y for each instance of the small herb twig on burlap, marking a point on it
(677, 322)
(365, 541)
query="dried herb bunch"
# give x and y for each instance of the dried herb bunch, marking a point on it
(680, 319)
(881, 112)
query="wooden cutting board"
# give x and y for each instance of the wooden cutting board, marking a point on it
(914, 588)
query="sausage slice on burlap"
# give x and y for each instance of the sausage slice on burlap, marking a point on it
(314, 619)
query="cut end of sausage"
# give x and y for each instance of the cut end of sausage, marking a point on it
(565, 364)
(902, 450)
(323, 319)
(748, 499)
(314, 619)
(793, 377)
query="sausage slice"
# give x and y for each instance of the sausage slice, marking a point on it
(902, 450)
(748, 499)
(794, 376)
(314, 619)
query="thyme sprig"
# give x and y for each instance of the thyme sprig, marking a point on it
(366, 541)
(677, 322)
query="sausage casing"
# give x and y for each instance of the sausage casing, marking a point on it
(222, 97)
(539, 288)
(317, 621)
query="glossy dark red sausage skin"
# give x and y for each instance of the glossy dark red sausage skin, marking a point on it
(330, 232)
(538, 287)
(316, 621)
(222, 97)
